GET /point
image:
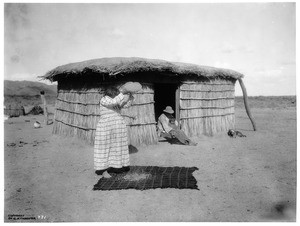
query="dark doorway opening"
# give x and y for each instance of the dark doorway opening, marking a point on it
(164, 95)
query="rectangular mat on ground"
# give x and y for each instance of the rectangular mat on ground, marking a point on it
(150, 177)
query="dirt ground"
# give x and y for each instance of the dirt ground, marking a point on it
(240, 179)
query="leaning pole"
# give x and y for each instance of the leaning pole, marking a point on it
(246, 103)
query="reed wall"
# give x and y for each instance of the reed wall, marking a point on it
(207, 107)
(78, 112)
(140, 117)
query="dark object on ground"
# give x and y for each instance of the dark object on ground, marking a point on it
(173, 140)
(49, 121)
(150, 177)
(14, 110)
(22, 143)
(36, 110)
(235, 133)
(113, 170)
(170, 139)
(11, 145)
(132, 149)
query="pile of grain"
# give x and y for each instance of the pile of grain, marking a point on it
(136, 176)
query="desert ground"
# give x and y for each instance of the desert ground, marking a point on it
(243, 179)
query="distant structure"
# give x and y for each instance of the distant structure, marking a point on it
(36, 110)
(203, 97)
(14, 110)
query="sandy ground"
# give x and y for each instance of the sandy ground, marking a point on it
(243, 179)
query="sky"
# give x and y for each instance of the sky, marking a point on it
(256, 39)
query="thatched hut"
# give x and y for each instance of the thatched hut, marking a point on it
(203, 97)
(14, 110)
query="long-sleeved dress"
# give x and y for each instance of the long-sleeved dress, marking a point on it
(111, 140)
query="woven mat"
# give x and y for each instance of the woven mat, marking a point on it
(150, 177)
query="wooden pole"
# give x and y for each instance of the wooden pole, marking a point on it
(177, 105)
(44, 107)
(246, 103)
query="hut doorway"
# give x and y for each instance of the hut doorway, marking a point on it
(164, 95)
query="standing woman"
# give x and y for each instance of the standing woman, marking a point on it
(111, 140)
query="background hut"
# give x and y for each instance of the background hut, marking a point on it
(35, 110)
(14, 110)
(203, 97)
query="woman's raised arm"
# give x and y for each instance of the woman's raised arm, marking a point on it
(111, 102)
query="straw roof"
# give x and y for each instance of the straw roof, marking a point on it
(123, 66)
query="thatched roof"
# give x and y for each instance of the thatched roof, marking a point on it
(123, 66)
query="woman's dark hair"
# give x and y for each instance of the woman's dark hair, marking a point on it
(111, 92)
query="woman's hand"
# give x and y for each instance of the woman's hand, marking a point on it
(131, 96)
(121, 89)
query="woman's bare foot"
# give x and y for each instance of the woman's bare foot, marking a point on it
(106, 175)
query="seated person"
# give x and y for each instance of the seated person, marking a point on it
(169, 127)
